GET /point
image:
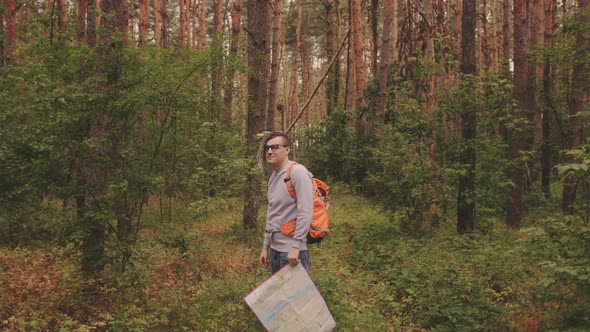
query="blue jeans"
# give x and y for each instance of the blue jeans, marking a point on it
(278, 260)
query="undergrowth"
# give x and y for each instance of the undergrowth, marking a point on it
(191, 274)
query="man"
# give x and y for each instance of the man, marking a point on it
(279, 249)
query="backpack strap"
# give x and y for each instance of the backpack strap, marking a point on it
(288, 182)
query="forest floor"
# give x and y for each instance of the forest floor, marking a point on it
(187, 274)
(191, 269)
(233, 254)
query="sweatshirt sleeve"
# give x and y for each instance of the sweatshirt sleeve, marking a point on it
(301, 180)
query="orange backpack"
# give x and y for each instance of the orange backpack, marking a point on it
(319, 227)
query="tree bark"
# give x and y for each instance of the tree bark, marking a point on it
(81, 23)
(519, 138)
(294, 88)
(165, 34)
(157, 23)
(277, 9)
(428, 86)
(550, 26)
(485, 44)
(466, 192)
(61, 16)
(374, 35)
(182, 23)
(358, 49)
(506, 40)
(123, 21)
(494, 50)
(533, 72)
(576, 103)
(458, 32)
(331, 9)
(258, 60)
(217, 61)
(305, 57)
(236, 26)
(202, 26)
(91, 23)
(2, 55)
(143, 22)
(387, 54)
(10, 31)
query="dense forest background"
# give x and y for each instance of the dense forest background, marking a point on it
(452, 133)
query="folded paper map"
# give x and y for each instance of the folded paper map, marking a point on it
(290, 301)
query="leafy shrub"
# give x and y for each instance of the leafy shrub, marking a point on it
(447, 282)
(564, 243)
(327, 149)
(35, 289)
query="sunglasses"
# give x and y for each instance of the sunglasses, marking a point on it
(273, 147)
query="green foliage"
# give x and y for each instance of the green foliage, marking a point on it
(396, 164)
(565, 245)
(579, 167)
(400, 180)
(157, 138)
(327, 148)
(447, 282)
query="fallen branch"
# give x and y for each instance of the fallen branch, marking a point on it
(319, 83)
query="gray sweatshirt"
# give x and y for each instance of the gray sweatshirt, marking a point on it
(282, 208)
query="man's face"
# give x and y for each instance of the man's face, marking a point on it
(276, 157)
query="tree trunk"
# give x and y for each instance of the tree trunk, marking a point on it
(576, 103)
(22, 19)
(331, 9)
(428, 86)
(143, 22)
(506, 55)
(349, 84)
(61, 16)
(10, 31)
(123, 21)
(164, 23)
(258, 63)
(533, 72)
(187, 23)
(387, 54)
(358, 50)
(131, 22)
(485, 44)
(194, 32)
(277, 7)
(2, 55)
(236, 26)
(374, 35)
(82, 9)
(494, 50)
(519, 138)
(202, 26)
(305, 56)
(466, 192)
(458, 32)
(217, 61)
(116, 22)
(157, 23)
(550, 26)
(96, 170)
(293, 104)
(91, 23)
(182, 23)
